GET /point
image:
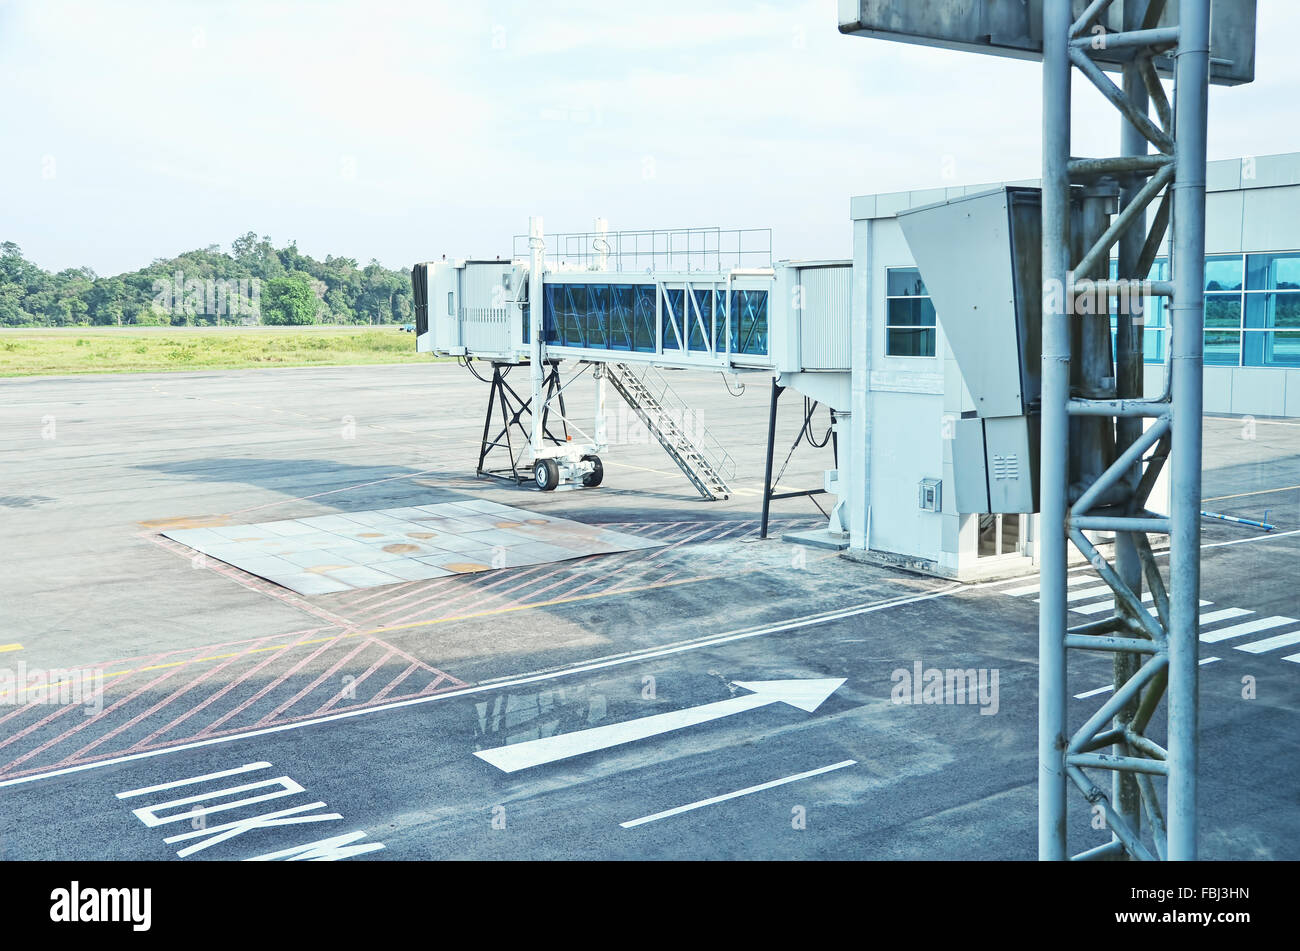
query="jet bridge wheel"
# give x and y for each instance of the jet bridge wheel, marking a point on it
(597, 474)
(546, 472)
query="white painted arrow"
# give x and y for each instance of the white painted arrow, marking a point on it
(804, 694)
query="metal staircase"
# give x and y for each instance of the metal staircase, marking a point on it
(699, 455)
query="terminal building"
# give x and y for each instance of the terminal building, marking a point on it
(908, 386)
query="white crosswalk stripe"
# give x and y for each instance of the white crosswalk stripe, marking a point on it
(1072, 580)
(1249, 627)
(1225, 614)
(1271, 643)
(1084, 586)
(1084, 593)
(1109, 687)
(1109, 605)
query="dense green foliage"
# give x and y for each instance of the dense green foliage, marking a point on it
(289, 300)
(205, 288)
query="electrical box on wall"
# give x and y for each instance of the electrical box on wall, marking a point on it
(996, 464)
(929, 495)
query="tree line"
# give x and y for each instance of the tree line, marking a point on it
(254, 282)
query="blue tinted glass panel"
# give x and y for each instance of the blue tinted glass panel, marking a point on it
(643, 322)
(552, 319)
(571, 314)
(1153, 346)
(1222, 348)
(698, 338)
(597, 324)
(1159, 270)
(721, 324)
(674, 318)
(749, 321)
(1273, 272)
(620, 317)
(1273, 310)
(1222, 310)
(910, 312)
(909, 341)
(904, 282)
(1223, 272)
(1281, 349)
(1153, 311)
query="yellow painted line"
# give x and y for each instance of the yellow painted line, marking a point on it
(493, 612)
(1242, 495)
(557, 601)
(5, 648)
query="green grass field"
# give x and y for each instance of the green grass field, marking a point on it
(34, 351)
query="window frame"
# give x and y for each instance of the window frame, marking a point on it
(886, 326)
(1244, 294)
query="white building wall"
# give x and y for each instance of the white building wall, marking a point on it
(905, 412)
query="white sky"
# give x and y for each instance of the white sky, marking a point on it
(403, 131)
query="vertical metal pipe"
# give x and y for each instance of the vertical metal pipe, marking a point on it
(1054, 460)
(1125, 792)
(537, 350)
(771, 446)
(1187, 315)
(598, 430)
(1092, 372)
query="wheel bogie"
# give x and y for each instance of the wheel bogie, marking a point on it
(546, 473)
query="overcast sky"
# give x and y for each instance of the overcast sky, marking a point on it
(403, 131)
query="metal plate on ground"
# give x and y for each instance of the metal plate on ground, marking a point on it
(328, 553)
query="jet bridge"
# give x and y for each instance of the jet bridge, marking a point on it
(626, 306)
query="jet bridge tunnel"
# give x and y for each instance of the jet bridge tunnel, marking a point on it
(627, 305)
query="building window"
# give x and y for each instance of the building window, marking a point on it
(1224, 278)
(1271, 334)
(909, 314)
(1252, 311)
(1154, 320)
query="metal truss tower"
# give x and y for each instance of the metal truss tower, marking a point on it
(1103, 445)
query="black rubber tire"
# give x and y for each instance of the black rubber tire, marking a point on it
(546, 473)
(597, 474)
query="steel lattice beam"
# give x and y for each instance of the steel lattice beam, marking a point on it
(1154, 655)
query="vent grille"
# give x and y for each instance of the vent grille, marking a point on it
(1006, 467)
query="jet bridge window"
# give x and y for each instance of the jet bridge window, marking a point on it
(600, 316)
(675, 325)
(749, 322)
(909, 314)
